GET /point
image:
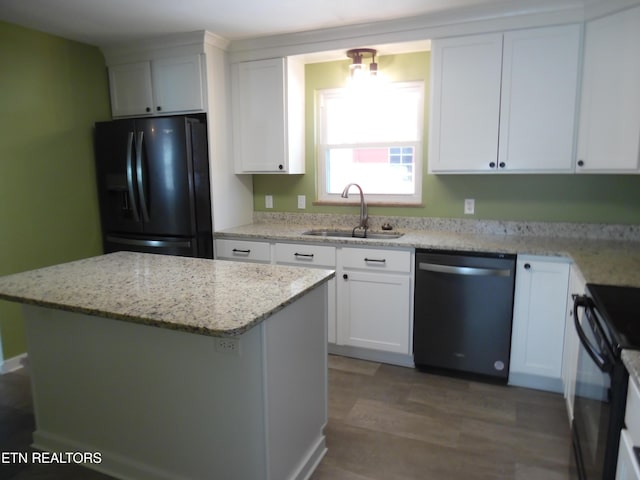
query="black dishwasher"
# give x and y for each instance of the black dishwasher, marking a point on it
(463, 308)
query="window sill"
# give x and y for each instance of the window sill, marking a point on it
(332, 203)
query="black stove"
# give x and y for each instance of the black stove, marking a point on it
(619, 309)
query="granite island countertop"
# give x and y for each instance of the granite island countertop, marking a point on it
(209, 297)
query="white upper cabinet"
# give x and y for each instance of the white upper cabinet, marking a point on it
(539, 93)
(504, 102)
(178, 84)
(465, 103)
(268, 116)
(130, 89)
(609, 134)
(158, 87)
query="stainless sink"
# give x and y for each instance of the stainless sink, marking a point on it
(352, 234)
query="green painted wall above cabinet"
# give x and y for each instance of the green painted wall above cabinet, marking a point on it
(565, 198)
(52, 90)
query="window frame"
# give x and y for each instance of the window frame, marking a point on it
(323, 196)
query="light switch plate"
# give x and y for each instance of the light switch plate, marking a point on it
(302, 201)
(268, 201)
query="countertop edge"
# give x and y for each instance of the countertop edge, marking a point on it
(211, 312)
(232, 332)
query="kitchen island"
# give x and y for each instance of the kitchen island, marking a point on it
(178, 368)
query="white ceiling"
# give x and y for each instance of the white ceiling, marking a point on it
(111, 22)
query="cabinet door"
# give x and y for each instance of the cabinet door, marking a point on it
(178, 84)
(609, 134)
(539, 87)
(627, 467)
(130, 88)
(465, 103)
(571, 341)
(259, 115)
(538, 323)
(374, 311)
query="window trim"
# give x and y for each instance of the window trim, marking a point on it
(401, 200)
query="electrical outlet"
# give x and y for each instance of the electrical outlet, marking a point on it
(268, 201)
(230, 346)
(469, 206)
(302, 201)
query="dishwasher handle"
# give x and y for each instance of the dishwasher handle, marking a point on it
(459, 270)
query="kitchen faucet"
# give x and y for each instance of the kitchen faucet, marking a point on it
(364, 218)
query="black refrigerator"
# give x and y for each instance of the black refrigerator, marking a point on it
(153, 185)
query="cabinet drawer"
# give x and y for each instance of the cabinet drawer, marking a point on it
(243, 250)
(376, 259)
(305, 255)
(632, 414)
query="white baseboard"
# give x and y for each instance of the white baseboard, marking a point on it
(400, 359)
(13, 363)
(112, 464)
(536, 382)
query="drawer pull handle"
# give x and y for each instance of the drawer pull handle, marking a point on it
(241, 252)
(375, 260)
(303, 255)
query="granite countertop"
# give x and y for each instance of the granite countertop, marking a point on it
(612, 259)
(612, 262)
(209, 297)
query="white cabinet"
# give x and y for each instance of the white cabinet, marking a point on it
(539, 305)
(628, 467)
(504, 102)
(571, 341)
(161, 86)
(313, 256)
(242, 250)
(374, 299)
(609, 134)
(178, 84)
(130, 89)
(268, 116)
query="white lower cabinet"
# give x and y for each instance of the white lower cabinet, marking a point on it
(374, 299)
(312, 256)
(571, 341)
(628, 467)
(539, 308)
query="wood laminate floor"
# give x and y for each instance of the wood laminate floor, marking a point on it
(385, 423)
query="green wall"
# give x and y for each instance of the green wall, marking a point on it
(51, 92)
(566, 198)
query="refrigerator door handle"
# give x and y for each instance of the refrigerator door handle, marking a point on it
(140, 173)
(130, 188)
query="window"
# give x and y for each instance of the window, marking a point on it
(372, 137)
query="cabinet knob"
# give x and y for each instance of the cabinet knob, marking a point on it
(280, 167)
(581, 163)
(492, 164)
(502, 164)
(527, 266)
(345, 276)
(158, 108)
(148, 109)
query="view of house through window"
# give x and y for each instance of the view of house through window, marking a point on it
(373, 137)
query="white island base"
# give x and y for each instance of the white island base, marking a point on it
(166, 404)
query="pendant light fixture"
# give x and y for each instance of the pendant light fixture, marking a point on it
(357, 68)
